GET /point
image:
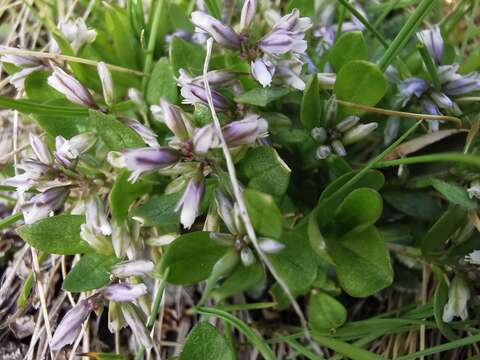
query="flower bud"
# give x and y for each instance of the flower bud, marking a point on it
(190, 202)
(71, 88)
(148, 136)
(270, 246)
(107, 83)
(358, 133)
(40, 149)
(262, 70)
(203, 139)
(347, 123)
(41, 205)
(248, 14)
(124, 292)
(136, 321)
(246, 131)
(71, 324)
(120, 238)
(432, 39)
(323, 152)
(172, 117)
(247, 257)
(225, 210)
(132, 268)
(339, 148)
(458, 296)
(115, 317)
(319, 134)
(222, 34)
(442, 100)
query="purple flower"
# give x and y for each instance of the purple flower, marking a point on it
(124, 292)
(71, 88)
(412, 86)
(40, 149)
(288, 72)
(203, 139)
(461, 85)
(222, 33)
(34, 171)
(248, 14)
(193, 93)
(142, 160)
(262, 71)
(132, 268)
(172, 117)
(432, 39)
(68, 151)
(107, 83)
(190, 202)
(442, 100)
(280, 41)
(69, 328)
(40, 205)
(293, 22)
(148, 136)
(245, 131)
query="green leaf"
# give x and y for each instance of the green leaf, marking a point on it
(350, 46)
(266, 171)
(56, 235)
(160, 210)
(243, 278)
(361, 208)
(162, 83)
(191, 258)
(296, 264)
(416, 204)
(91, 272)
(306, 7)
(362, 262)
(265, 215)
(360, 82)
(206, 343)
(213, 7)
(186, 55)
(114, 134)
(344, 348)
(124, 193)
(455, 194)
(262, 96)
(312, 107)
(325, 313)
(434, 241)
(37, 88)
(35, 107)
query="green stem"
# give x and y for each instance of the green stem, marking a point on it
(154, 311)
(430, 65)
(152, 40)
(9, 220)
(303, 350)
(405, 33)
(445, 157)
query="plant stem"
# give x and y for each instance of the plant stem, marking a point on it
(152, 41)
(405, 33)
(429, 64)
(9, 220)
(445, 157)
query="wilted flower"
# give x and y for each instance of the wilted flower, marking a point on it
(71, 324)
(432, 39)
(77, 33)
(458, 296)
(67, 151)
(132, 268)
(142, 160)
(245, 131)
(222, 33)
(135, 320)
(71, 88)
(41, 205)
(124, 292)
(190, 202)
(107, 83)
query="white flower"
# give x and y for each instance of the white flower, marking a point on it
(458, 296)
(77, 33)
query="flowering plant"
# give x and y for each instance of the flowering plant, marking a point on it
(237, 179)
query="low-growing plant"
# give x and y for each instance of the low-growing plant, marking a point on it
(202, 180)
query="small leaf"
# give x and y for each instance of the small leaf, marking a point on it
(361, 208)
(160, 210)
(360, 82)
(91, 272)
(265, 215)
(349, 46)
(416, 204)
(162, 83)
(312, 107)
(191, 257)
(206, 343)
(262, 96)
(124, 193)
(56, 235)
(266, 171)
(37, 88)
(455, 194)
(325, 313)
(114, 134)
(362, 262)
(242, 278)
(186, 55)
